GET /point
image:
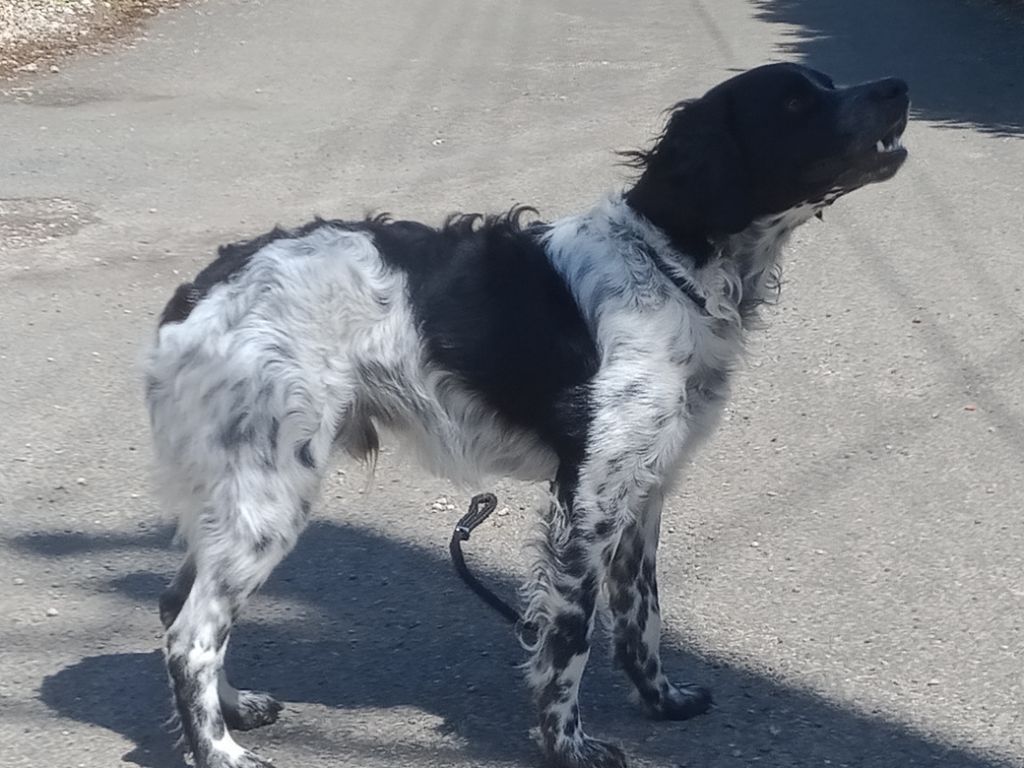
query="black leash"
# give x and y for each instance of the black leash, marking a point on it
(480, 508)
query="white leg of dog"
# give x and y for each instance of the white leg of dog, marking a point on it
(234, 547)
(242, 710)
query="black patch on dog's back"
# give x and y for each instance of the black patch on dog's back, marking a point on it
(231, 259)
(494, 311)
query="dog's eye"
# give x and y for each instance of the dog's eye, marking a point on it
(796, 104)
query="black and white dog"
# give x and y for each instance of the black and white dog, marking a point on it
(593, 352)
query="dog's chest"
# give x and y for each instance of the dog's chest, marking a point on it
(707, 372)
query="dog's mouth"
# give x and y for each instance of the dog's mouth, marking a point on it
(890, 146)
(867, 159)
(870, 161)
(891, 142)
(882, 158)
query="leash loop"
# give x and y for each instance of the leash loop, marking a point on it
(480, 508)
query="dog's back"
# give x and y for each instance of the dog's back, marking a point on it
(296, 343)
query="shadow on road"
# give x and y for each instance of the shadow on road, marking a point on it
(381, 624)
(962, 59)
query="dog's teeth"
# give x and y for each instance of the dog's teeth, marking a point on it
(879, 147)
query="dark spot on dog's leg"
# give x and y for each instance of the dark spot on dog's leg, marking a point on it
(567, 638)
(173, 598)
(634, 602)
(187, 697)
(170, 606)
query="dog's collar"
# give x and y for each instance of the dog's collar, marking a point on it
(683, 285)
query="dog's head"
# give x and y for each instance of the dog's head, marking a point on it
(767, 141)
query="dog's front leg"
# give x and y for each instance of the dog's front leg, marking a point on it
(591, 507)
(634, 441)
(575, 552)
(633, 600)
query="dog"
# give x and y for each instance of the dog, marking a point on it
(593, 352)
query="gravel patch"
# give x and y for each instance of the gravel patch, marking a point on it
(27, 21)
(34, 34)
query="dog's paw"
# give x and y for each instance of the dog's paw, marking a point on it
(244, 760)
(681, 702)
(252, 710)
(588, 753)
(249, 760)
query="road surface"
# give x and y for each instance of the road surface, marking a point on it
(844, 565)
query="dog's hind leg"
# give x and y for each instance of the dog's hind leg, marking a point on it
(633, 600)
(242, 710)
(237, 540)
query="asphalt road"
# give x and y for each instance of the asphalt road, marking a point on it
(844, 565)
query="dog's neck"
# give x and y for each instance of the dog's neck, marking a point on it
(735, 274)
(756, 253)
(739, 274)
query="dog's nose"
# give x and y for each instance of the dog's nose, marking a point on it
(890, 88)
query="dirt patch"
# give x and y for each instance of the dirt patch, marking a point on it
(29, 221)
(35, 34)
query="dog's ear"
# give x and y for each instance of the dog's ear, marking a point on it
(694, 180)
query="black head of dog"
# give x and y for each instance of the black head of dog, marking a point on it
(766, 141)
